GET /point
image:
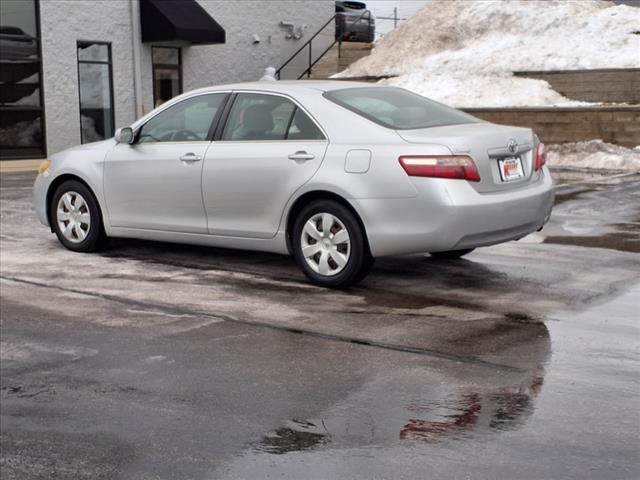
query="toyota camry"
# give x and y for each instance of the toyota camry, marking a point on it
(334, 173)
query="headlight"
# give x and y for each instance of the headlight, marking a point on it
(44, 167)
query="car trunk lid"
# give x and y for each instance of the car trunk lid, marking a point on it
(487, 144)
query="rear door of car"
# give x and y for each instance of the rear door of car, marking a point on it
(267, 148)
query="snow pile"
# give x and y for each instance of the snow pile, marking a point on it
(463, 53)
(465, 90)
(594, 154)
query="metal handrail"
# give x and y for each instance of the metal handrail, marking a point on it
(304, 45)
(308, 43)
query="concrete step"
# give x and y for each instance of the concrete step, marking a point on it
(339, 58)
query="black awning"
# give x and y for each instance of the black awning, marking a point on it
(178, 21)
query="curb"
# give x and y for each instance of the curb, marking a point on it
(15, 166)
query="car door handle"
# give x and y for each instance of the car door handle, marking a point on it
(301, 156)
(190, 158)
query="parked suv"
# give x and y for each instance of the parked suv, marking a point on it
(355, 23)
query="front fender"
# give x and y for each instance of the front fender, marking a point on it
(85, 163)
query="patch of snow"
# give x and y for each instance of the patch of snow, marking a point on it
(463, 53)
(593, 154)
(464, 90)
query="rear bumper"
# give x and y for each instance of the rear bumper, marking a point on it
(451, 215)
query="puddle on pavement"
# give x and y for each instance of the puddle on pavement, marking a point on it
(296, 436)
(622, 241)
(598, 214)
(387, 299)
(419, 404)
(410, 416)
(572, 194)
(504, 409)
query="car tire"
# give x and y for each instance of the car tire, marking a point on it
(322, 255)
(76, 218)
(367, 265)
(451, 254)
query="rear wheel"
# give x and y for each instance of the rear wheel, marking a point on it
(451, 254)
(329, 245)
(75, 217)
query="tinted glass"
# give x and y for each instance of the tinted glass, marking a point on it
(18, 17)
(166, 84)
(303, 128)
(21, 113)
(23, 93)
(93, 52)
(22, 129)
(187, 121)
(167, 74)
(397, 108)
(259, 117)
(94, 83)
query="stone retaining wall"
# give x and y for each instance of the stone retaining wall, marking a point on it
(620, 85)
(619, 125)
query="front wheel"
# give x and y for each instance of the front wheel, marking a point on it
(329, 245)
(451, 254)
(75, 217)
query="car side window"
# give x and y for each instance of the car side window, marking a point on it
(268, 117)
(186, 121)
(303, 128)
(258, 117)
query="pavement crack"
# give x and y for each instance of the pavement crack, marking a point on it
(256, 323)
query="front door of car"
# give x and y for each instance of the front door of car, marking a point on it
(156, 182)
(268, 149)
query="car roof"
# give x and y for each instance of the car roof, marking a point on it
(289, 86)
(297, 88)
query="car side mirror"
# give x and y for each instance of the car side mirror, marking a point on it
(124, 135)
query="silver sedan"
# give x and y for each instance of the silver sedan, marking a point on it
(334, 173)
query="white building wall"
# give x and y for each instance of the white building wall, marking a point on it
(239, 59)
(64, 22)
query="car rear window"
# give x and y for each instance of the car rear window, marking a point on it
(397, 108)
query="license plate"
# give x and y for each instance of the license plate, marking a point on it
(510, 168)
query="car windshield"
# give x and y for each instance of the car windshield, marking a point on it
(397, 108)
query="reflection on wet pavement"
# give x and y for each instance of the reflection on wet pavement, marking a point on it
(296, 436)
(595, 212)
(452, 422)
(623, 241)
(505, 409)
(428, 405)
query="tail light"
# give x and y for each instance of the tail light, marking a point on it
(541, 157)
(441, 166)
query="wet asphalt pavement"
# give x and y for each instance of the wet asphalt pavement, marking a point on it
(161, 361)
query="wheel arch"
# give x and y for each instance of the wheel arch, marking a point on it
(312, 196)
(59, 180)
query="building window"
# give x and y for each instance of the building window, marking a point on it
(95, 84)
(167, 73)
(21, 106)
